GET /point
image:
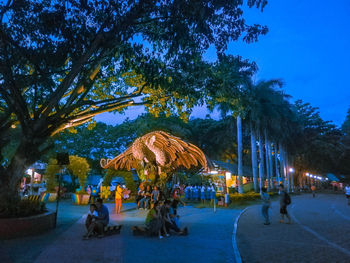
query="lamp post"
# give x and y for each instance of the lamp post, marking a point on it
(291, 183)
(62, 160)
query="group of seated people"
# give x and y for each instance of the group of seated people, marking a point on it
(200, 192)
(161, 219)
(97, 219)
(146, 196)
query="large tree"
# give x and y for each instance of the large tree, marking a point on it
(228, 91)
(64, 62)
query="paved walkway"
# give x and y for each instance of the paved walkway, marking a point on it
(27, 249)
(320, 232)
(209, 240)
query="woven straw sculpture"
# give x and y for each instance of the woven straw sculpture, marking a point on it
(158, 151)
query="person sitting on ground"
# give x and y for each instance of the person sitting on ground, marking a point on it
(283, 204)
(102, 219)
(154, 222)
(91, 217)
(171, 220)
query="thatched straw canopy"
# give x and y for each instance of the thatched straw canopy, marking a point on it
(159, 150)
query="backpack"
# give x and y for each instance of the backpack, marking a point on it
(287, 199)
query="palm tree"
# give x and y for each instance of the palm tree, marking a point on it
(254, 157)
(228, 92)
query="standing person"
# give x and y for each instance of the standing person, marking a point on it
(203, 194)
(118, 198)
(313, 189)
(284, 202)
(347, 193)
(266, 202)
(212, 193)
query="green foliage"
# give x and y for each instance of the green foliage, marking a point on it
(249, 196)
(78, 168)
(52, 170)
(24, 208)
(128, 178)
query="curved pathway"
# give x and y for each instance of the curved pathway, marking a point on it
(320, 232)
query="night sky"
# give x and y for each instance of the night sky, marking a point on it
(307, 47)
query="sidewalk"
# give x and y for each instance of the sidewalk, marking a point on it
(209, 240)
(27, 249)
(309, 238)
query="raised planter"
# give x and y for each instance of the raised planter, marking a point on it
(26, 226)
(48, 197)
(81, 199)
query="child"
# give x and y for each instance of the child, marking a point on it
(91, 217)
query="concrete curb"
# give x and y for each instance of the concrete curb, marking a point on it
(238, 258)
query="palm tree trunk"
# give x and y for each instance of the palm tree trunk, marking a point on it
(282, 164)
(240, 152)
(261, 164)
(278, 175)
(254, 158)
(267, 163)
(287, 171)
(271, 165)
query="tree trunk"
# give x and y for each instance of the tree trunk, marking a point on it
(254, 158)
(282, 164)
(11, 176)
(271, 164)
(261, 164)
(287, 171)
(267, 161)
(240, 152)
(278, 176)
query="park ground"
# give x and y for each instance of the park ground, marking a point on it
(320, 232)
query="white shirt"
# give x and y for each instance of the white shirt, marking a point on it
(347, 190)
(93, 213)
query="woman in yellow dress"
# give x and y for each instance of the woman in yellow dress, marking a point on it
(118, 198)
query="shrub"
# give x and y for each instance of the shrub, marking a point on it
(249, 196)
(24, 208)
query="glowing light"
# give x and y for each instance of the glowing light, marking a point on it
(213, 172)
(291, 170)
(30, 172)
(228, 175)
(307, 174)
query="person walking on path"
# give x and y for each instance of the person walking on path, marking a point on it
(266, 202)
(347, 193)
(284, 202)
(118, 198)
(313, 189)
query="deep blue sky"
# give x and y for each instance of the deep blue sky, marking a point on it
(307, 46)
